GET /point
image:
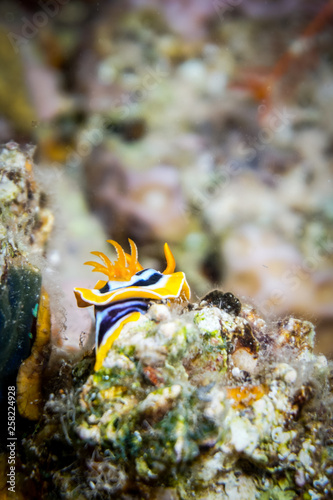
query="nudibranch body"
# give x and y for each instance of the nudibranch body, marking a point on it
(128, 293)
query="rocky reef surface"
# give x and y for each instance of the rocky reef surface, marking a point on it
(25, 225)
(25, 326)
(207, 402)
(26, 220)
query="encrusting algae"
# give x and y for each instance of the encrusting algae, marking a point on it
(200, 400)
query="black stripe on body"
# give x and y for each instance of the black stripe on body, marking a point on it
(154, 278)
(110, 314)
(140, 272)
(147, 277)
(105, 288)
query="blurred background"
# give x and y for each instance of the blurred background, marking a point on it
(206, 124)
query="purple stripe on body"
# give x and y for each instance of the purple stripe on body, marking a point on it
(116, 311)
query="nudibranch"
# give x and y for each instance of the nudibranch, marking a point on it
(128, 293)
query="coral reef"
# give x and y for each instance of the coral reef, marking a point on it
(25, 225)
(173, 150)
(208, 402)
(182, 128)
(209, 125)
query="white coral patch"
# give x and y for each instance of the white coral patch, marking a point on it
(244, 435)
(209, 320)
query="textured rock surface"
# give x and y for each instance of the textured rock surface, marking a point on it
(25, 226)
(26, 221)
(209, 403)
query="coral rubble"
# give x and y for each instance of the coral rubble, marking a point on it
(208, 403)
